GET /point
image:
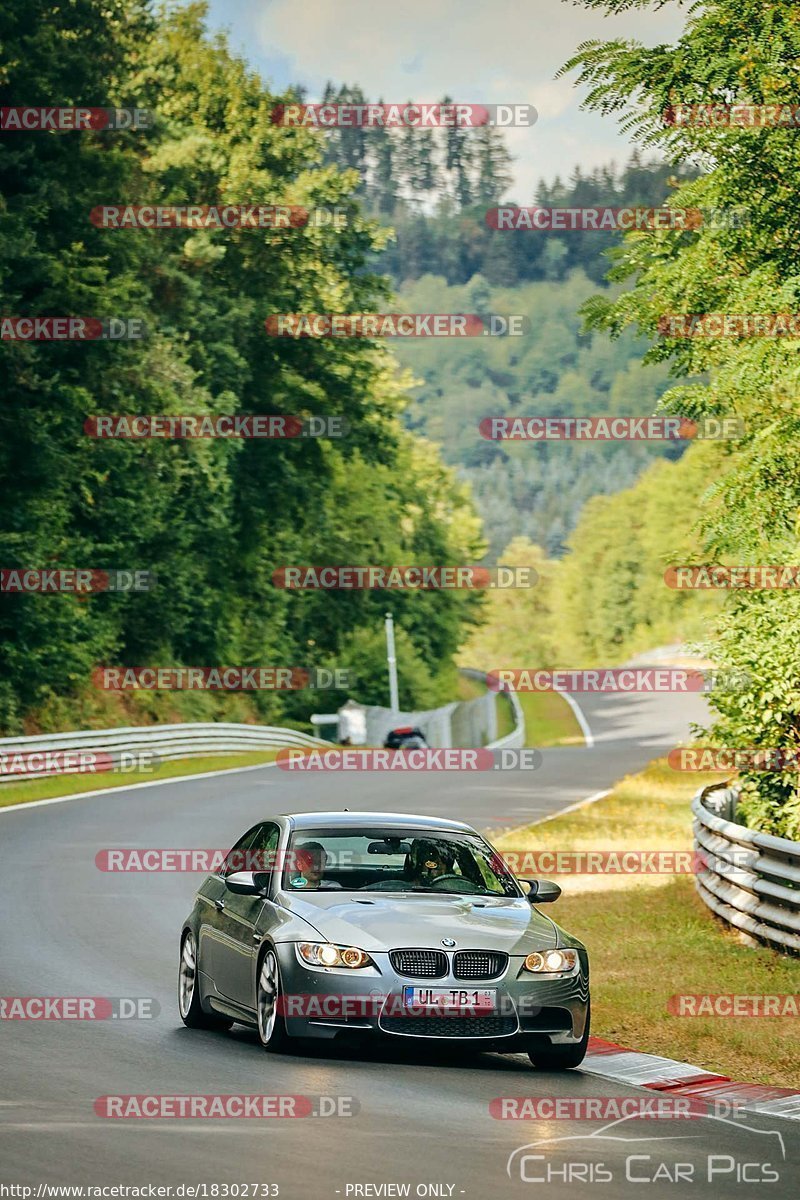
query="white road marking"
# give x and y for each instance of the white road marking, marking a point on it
(9, 808)
(579, 804)
(580, 718)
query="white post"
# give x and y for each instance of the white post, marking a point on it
(394, 698)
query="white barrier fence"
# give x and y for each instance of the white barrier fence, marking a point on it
(516, 738)
(461, 723)
(751, 880)
(138, 747)
(121, 749)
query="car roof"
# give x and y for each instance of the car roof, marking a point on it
(355, 820)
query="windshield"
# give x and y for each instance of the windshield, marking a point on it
(391, 860)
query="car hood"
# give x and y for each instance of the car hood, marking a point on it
(392, 921)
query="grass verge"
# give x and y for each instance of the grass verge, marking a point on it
(549, 720)
(651, 937)
(67, 785)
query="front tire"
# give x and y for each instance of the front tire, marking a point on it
(271, 1021)
(562, 1058)
(189, 1005)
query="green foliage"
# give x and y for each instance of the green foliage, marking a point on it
(451, 237)
(518, 622)
(613, 599)
(213, 519)
(732, 51)
(432, 187)
(759, 635)
(606, 599)
(524, 489)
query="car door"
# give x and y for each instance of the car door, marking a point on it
(238, 939)
(212, 898)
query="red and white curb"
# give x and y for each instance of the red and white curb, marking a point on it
(683, 1079)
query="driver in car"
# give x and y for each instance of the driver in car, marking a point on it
(311, 860)
(428, 861)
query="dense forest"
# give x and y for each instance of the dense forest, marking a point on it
(432, 188)
(606, 600)
(730, 51)
(529, 489)
(212, 519)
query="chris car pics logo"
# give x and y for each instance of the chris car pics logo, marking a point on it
(722, 1160)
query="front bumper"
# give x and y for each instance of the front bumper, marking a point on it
(329, 1002)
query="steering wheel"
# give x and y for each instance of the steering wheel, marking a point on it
(468, 885)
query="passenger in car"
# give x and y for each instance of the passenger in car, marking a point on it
(312, 860)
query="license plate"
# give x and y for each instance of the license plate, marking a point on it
(449, 999)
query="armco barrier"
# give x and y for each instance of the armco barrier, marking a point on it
(164, 741)
(460, 723)
(516, 739)
(752, 881)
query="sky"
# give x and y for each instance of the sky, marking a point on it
(474, 51)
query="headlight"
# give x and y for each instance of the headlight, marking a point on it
(323, 954)
(551, 962)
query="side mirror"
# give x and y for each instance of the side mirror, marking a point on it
(542, 891)
(247, 883)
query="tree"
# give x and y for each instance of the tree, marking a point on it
(731, 52)
(212, 518)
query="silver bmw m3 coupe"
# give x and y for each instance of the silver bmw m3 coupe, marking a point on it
(324, 925)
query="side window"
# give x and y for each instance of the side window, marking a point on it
(235, 859)
(262, 850)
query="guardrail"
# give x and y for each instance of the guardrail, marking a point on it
(164, 742)
(516, 739)
(751, 880)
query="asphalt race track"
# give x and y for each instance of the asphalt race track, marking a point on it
(422, 1117)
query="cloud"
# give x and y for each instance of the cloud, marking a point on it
(425, 49)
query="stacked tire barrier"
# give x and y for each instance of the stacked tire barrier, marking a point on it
(750, 880)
